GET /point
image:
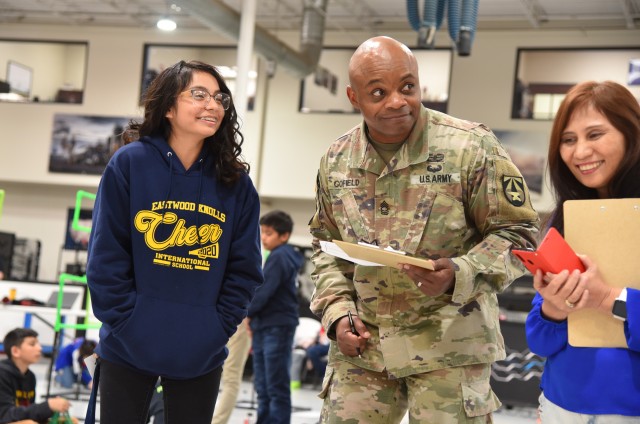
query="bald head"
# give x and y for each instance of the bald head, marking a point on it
(378, 50)
(385, 87)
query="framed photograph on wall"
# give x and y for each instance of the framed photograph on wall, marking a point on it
(83, 144)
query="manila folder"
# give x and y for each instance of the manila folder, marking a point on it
(608, 231)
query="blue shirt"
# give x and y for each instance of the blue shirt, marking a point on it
(588, 380)
(276, 301)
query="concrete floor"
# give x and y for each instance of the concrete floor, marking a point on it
(304, 400)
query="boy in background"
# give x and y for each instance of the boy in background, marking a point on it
(18, 382)
(273, 315)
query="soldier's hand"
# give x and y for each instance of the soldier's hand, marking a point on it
(432, 283)
(350, 343)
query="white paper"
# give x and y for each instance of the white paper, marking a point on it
(332, 249)
(90, 362)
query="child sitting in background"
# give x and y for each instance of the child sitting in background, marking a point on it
(70, 363)
(18, 382)
(317, 354)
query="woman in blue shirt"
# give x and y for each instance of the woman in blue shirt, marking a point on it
(594, 153)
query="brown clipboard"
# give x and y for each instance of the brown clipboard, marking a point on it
(608, 231)
(381, 256)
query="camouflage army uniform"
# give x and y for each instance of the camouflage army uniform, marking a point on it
(450, 191)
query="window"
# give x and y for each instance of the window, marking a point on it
(543, 76)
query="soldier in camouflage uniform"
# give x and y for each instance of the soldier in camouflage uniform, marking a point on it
(435, 187)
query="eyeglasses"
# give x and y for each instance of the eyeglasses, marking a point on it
(203, 97)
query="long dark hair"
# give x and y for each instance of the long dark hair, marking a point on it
(621, 109)
(225, 146)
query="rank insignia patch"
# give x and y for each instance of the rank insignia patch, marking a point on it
(384, 208)
(513, 188)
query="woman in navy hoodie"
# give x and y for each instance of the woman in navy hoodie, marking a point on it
(174, 256)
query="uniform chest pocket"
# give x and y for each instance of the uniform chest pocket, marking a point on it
(348, 214)
(444, 227)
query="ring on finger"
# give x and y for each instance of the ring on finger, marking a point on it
(569, 304)
(419, 284)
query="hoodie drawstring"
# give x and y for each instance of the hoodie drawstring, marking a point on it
(166, 198)
(170, 156)
(200, 162)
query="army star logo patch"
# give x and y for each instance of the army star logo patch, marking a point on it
(513, 188)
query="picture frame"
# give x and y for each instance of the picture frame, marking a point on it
(83, 144)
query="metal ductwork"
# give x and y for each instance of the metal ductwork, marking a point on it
(223, 19)
(462, 16)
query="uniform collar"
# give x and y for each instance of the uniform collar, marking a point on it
(414, 150)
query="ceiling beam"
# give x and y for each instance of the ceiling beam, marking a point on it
(626, 9)
(532, 12)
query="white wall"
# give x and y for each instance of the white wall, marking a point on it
(282, 145)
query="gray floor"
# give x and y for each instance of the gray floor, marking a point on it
(304, 400)
(306, 397)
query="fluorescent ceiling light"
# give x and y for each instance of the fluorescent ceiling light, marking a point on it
(166, 24)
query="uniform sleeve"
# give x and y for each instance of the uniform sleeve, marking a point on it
(632, 324)
(499, 205)
(109, 265)
(244, 267)
(544, 337)
(334, 289)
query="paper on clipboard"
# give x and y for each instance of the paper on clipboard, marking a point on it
(333, 249)
(371, 255)
(607, 231)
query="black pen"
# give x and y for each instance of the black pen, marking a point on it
(353, 330)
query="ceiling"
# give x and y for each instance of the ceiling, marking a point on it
(375, 16)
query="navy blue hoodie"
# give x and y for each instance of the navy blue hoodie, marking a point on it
(174, 260)
(18, 394)
(276, 302)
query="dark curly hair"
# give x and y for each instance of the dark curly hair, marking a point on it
(621, 109)
(225, 146)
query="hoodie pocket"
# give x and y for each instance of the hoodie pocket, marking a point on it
(174, 339)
